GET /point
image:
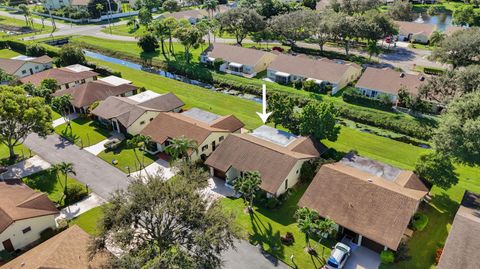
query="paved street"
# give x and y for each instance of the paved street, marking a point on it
(101, 177)
(247, 256)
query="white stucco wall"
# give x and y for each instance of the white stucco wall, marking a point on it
(78, 82)
(142, 122)
(215, 136)
(29, 68)
(292, 178)
(21, 240)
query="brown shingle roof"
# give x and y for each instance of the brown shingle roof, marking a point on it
(235, 54)
(18, 201)
(246, 152)
(86, 94)
(80, 2)
(42, 59)
(463, 242)
(388, 81)
(372, 206)
(61, 75)
(66, 250)
(127, 111)
(407, 27)
(174, 125)
(322, 69)
(452, 28)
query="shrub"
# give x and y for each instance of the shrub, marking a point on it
(35, 50)
(402, 252)
(75, 193)
(112, 144)
(148, 43)
(311, 86)
(272, 203)
(102, 70)
(419, 221)
(297, 84)
(308, 170)
(438, 254)
(387, 257)
(351, 95)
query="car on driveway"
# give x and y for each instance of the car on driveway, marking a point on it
(338, 257)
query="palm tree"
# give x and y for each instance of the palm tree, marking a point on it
(211, 6)
(326, 228)
(436, 37)
(247, 186)
(65, 169)
(179, 148)
(307, 221)
(139, 142)
(26, 12)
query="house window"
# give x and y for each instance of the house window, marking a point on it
(151, 119)
(204, 147)
(26, 230)
(297, 171)
(220, 139)
(67, 86)
(36, 67)
(83, 81)
(24, 71)
(142, 122)
(286, 184)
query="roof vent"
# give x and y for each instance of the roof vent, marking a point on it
(370, 180)
(422, 78)
(402, 75)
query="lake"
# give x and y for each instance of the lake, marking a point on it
(441, 20)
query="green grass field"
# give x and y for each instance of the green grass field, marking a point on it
(125, 30)
(88, 220)
(84, 132)
(6, 53)
(20, 150)
(50, 183)
(126, 157)
(37, 28)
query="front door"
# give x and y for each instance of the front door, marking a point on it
(8, 246)
(31, 71)
(213, 145)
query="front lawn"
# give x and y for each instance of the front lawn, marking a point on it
(37, 28)
(7, 53)
(125, 30)
(88, 220)
(84, 132)
(50, 183)
(266, 226)
(21, 151)
(126, 157)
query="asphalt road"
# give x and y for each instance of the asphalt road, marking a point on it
(100, 176)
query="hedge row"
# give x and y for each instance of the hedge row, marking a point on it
(351, 95)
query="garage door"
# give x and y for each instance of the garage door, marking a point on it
(370, 244)
(219, 174)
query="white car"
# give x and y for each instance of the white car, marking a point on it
(338, 257)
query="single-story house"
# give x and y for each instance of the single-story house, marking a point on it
(66, 77)
(130, 116)
(207, 129)
(195, 15)
(463, 241)
(415, 32)
(86, 94)
(56, 4)
(278, 156)
(375, 81)
(371, 202)
(22, 66)
(237, 60)
(66, 250)
(24, 214)
(287, 68)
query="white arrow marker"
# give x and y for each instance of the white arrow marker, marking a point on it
(264, 115)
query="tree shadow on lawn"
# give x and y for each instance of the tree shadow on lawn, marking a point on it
(264, 234)
(97, 127)
(44, 181)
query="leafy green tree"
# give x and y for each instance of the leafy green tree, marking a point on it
(312, 4)
(96, 7)
(436, 37)
(35, 50)
(49, 83)
(20, 116)
(71, 54)
(65, 169)
(179, 148)
(281, 107)
(5, 77)
(322, 30)
(171, 6)
(145, 16)
(270, 8)
(240, 22)
(293, 26)
(148, 43)
(160, 31)
(401, 10)
(352, 7)
(307, 222)
(164, 224)
(458, 132)
(170, 24)
(437, 169)
(464, 15)
(247, 186)
(344, 28)
(461, 48)
(190, 37)
(139, 143)
(318, 120)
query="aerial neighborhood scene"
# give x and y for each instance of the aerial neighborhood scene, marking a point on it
(240, 134)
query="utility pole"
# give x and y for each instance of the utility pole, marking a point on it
(109, 16)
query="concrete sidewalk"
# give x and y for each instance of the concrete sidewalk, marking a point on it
(78, 208)
(159, 167)
(61, 120)
(25, 168)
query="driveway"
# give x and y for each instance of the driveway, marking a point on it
(25, 168)
(100, 176)
(248, 256)
(363, 258)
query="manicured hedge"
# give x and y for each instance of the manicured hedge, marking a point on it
(351, 95)
(387, 257)
(419, 221)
